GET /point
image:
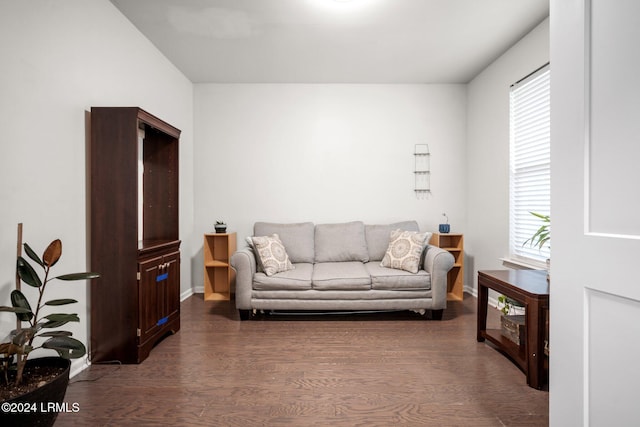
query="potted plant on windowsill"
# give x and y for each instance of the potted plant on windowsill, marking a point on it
(28, 384)
(542, 236)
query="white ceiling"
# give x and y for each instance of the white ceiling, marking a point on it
(330, 41)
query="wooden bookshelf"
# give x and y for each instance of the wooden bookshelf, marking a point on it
(134, 237)
(219, 277)
(454, 244)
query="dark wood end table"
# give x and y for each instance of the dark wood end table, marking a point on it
(530, 287)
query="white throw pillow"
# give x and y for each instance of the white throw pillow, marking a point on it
(404, 251)
(271, 254)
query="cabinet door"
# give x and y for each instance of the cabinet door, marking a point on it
(148, 295)
(170, 287)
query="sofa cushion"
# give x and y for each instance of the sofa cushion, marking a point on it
(383, 278)
(341, 242)
(272, 255)
(377, 237)
(297, 238)
(404, 251)
(340, 275)
(297, 279)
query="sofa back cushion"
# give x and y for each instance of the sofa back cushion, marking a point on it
(297, 238)
(341, 242)
(377, 237)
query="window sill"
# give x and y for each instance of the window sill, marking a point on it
(520, 264)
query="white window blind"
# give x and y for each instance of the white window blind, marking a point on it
(530, 162)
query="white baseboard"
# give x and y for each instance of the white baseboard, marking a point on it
(79, 365)
(492, 301)
(186, 294)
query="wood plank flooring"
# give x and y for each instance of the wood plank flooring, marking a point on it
(386, 369)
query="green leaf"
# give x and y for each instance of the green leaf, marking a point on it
(58, 319)
(63, 317)
(23, 337)
(31, 254)
(15, 309)
(60, 301)
(27, 274)
(67, 347)
(55, 334)
(545, 218)
(50, 324)
(79, 276)
(18, 300)
(543, 234)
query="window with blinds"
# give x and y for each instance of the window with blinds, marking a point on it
(530, 163)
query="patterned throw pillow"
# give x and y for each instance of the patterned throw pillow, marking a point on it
(272, 255)
(404, 251)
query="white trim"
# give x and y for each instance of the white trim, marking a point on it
(186, 294)
(79, 365)
(585, 352)
(586, 207)
(520, 264)
(587, 121)
(613, 235)
(471, 291)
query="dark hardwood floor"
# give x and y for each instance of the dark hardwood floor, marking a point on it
(349, 370)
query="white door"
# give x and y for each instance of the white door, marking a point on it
(595, 198)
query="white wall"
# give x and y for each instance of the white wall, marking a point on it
(487, 228)
(58, 60)
(326, 153)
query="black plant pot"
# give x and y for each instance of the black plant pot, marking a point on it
(39, 407)
(220, 228)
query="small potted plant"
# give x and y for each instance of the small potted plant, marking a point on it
(444, 228)
(542, 237)
(23, 380)
(220, 227)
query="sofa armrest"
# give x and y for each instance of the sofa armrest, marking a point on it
(438, 262)
(244, 263)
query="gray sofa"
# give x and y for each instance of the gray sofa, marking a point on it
(337, 267)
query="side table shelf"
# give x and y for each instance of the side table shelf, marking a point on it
(218, 274)
(454, 244)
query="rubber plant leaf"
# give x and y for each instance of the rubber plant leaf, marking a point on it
(67, 347)
(50, 324)
(63, 317)
(27, 274)
(58, 319)
(23, 337)
(79, 276)
(60, 301)
(56, 334)
(53, 253)
(18, 300)
(14, 309)
(32, 254)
